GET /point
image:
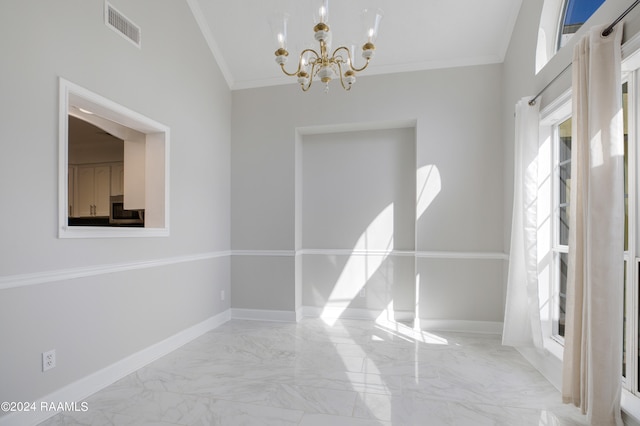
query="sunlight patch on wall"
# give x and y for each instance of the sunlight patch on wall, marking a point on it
(428, 186)
(379, 234)
(370, 251)
(416, 320)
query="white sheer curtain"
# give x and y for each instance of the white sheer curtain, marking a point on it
(522, 311)
(592, 368)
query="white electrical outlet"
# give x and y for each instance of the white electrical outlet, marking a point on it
(363, 292)
(48, 360)
(221, 294)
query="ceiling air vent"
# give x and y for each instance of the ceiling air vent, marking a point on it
(121, 24)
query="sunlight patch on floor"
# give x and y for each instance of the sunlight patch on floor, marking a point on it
(386, 323)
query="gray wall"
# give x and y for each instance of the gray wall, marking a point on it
(463, 139)
(457, 137)
(94, 321)
(351, 178)
(358, 192)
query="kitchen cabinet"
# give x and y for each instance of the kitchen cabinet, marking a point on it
(117, 179)
(93, 189)
(71, 179)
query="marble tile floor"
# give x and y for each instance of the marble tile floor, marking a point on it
(349, 373)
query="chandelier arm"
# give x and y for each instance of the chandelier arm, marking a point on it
(288, 73)
(351, 62)
(339, 58)
(293, 74)
(347, 88)
(311, 51)
(342, 48)
(354, 69)
(313, 66)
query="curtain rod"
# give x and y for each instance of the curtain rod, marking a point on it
(605, 33)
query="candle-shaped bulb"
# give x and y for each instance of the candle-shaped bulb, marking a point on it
(279, 23)
(371, 23)
(321, 11)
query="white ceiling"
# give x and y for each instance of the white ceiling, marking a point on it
(414, 34)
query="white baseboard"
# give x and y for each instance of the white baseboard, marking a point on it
(484, 327)
(81, 389)
(263, 315)
(630, 408)
(351, 313)
(547, 364)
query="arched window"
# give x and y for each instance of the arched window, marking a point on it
(574, 14)
(559, 20)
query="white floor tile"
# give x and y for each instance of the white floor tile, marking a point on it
(353, 373)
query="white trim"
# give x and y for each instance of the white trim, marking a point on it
(71, 94)
(630, 402)
(557, 111)
(283, 253)
(94, 382)
(462, 255)
(348, 252)
(516, 6)
(631, 407)
(263, 315)
(110, 232)
(23, 280)
(351, 252)
(547, 364)
(418, 254)
(211, 42)
(351, 313)
(547, 38)
(482, 327)
(357, 127)
(631, 54)
(630, 380)
(382, 70)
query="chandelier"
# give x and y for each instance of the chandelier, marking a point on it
(318, 64)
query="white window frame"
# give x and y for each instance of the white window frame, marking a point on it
(555, 113)
(631, 75)
(557, 248)
(549, 31)
(156, 151)
(548, 220)
(551, 118)
(632, 255)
